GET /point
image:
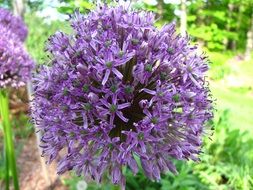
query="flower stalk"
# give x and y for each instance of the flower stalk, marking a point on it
(8, 139)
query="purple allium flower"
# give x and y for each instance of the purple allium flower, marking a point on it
(14, 23)
(118, 89)
(15, 63)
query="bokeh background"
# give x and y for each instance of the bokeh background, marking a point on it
(224, 31)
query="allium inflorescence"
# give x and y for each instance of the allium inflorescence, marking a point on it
(118, 89)
(13, 23)
(15, 63)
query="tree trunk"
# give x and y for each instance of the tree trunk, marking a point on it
(160, 8)
(38, 135)
(228, 42)
(183, 18)
(238, 24)
(249, 45)
(19, 7)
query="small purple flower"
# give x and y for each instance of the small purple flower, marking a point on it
(118, 89)
(13, 23)
(15, 63)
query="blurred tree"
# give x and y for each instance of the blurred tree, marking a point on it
(35, 5)
(231, 8)
(249, 45)
(183, 18)
(19, 7)
(160, 9)
(220, 24)
(5, 3)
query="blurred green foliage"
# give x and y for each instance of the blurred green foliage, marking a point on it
(228, 158)
(217, 24)
(5, 3)
(219, 66)
(22, 128)
(69, 6)
(39, 32)
(2, 165)
(220, 24)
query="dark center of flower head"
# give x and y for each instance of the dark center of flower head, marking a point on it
(1, 52)
(134, 114)
(8, 75)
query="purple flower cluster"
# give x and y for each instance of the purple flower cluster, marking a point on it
(119, 90)
(15, 63)
(13, 23)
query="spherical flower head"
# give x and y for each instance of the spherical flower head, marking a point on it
(118, 89)
(14, 23)
(15, 63)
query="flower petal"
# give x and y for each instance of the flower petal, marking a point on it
(152, 92)
(121, 116)
(107, 74)
(117, 73)
(122, 106)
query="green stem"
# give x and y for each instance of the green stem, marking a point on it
(7, 180)
(9, 145)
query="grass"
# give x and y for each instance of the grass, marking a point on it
(219, 67)
(239, 105)
(234, 92)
